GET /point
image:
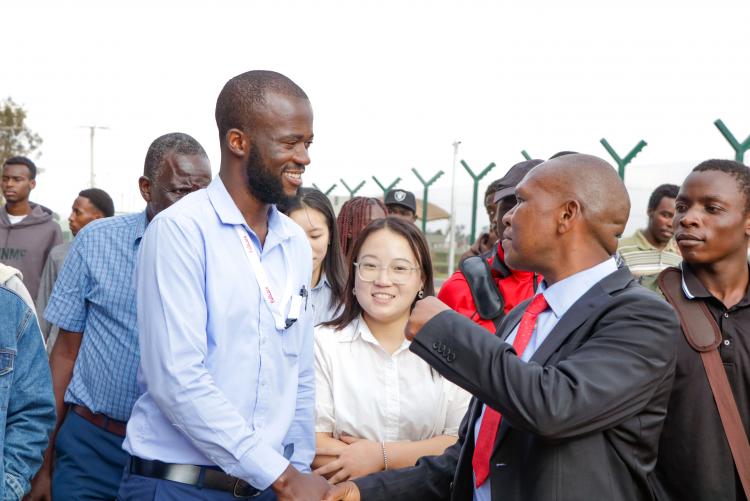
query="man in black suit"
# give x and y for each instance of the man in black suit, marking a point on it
(576, 404)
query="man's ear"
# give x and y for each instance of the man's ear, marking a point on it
(747, 223)
(238, 143)
(569, 212)
(32, 183)
(144, 185)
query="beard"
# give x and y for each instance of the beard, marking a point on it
(263, 184)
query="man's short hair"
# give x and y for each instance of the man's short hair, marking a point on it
(740, 172)
(99, 199)
(19, 160)
(493, 187)
(662, 191)
(174, 142)
(243, 95)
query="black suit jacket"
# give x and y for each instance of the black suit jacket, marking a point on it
(581, 420)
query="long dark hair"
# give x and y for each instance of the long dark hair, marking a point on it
(333, 263)
(419, 247)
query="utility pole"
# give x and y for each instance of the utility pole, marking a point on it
(92, 132)
(452, 231)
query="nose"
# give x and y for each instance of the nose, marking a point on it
(685, 219)
(383, 277)
(302, 155)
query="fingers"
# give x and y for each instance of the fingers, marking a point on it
(346, 491)
(340, 476)
(331, 467)
(349, 440)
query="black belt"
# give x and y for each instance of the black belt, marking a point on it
(203, 476)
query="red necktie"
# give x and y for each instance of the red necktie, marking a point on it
(491, 419)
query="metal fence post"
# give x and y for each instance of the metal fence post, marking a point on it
(386, 188)
(525, 155)
(739, 148)
(476, 178)
(326, 192)
(623, 162)
(426, 185)
(352, 191)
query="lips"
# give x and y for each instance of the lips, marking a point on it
(687, 237)
(294, 176)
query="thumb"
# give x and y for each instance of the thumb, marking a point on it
(345, 491)
(349, 439)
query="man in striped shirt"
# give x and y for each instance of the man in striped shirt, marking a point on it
(651, 250)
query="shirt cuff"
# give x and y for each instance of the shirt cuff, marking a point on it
(261, 466)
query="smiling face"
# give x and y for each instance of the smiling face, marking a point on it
(316, 228)
(711, 222)
(382, 300)
(278, 152)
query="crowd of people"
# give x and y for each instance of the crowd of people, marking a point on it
(238, 339)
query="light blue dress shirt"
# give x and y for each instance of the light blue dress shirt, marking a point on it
(560, 297)
(222, 386)
(94, 294)
(320, 300)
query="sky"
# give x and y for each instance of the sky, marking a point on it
(393, 85)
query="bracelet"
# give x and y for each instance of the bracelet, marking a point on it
(385, 456)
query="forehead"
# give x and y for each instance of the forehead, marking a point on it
(387, 245)
(184, 167)
(282, 111)
(714, 185)
(16, 170)
(308, 216)
(83, 203)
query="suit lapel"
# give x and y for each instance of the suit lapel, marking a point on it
(594, 298)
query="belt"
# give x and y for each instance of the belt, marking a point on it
(202, 476)
(104, 422)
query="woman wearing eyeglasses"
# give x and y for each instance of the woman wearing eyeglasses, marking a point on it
(379, 406)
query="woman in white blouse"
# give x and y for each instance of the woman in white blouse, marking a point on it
(379, 406)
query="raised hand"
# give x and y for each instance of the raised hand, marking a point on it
(423, 312)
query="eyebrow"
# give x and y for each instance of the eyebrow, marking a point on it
(296, 137)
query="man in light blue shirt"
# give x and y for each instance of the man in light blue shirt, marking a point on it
(225, 329)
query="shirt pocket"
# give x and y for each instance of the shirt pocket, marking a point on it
(290, 343)
(7, 358)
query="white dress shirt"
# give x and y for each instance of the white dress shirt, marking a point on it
(560, 296)
(364, 392)
(222, 385)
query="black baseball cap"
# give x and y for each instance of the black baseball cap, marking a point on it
(403, 198)
(507, 184)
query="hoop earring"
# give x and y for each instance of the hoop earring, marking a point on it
(354, 292)
(420, 294)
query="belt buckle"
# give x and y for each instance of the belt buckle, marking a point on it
(238, 495)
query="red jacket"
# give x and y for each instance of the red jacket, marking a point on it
(514, 286)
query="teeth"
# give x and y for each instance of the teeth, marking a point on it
(294, 175)
(383, 295)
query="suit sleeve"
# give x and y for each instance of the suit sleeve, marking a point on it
(428, 480)
(607, 379)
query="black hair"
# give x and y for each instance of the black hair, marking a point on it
(417, 243)
(176, 142)
(19, 160)
(740, 172)
(662, 191)
(99, 199)
(333, 263)
(243, 95)
(492, 188)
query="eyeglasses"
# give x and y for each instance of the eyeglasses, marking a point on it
(399, 271)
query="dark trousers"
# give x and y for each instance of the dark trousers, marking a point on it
(138, 488)
(88, 462)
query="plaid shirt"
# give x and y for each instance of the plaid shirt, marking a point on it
(95, 295)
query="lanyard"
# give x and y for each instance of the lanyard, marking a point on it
(276, 304)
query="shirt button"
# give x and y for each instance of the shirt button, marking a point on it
(727, 342)
(726, 314)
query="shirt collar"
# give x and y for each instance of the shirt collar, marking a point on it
(323, 282)
(562, 295)
(229, 214)
(694, 288)
(360, 329)
(140, 226)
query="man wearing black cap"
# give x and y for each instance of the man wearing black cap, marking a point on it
(401, 204)
(484, 288)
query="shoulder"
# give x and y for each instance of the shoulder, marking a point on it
(455, 285)
(328, 338)
(109, 225)
(297, 237)
(59, 252)
(12, 303)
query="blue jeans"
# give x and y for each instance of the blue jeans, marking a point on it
(89, 462)
(138, 488)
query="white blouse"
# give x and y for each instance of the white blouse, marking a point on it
(364, 392)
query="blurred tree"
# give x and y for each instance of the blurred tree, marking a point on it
(15, 136)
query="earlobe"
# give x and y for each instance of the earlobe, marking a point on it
(144, 185)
